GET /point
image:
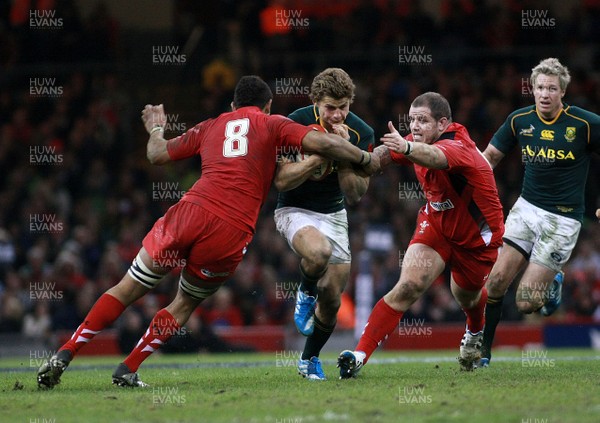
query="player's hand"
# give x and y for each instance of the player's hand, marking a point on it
(341, 130)
(393, 140)
(153, 116)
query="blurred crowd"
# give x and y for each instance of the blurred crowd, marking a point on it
(77, 194)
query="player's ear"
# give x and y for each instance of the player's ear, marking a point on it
(443, 124)
(267, 109)
(232, 107)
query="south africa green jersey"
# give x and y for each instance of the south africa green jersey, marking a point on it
(556, 155)
(325, 196)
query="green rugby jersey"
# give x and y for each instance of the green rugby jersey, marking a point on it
(556, 155)
(325, 196)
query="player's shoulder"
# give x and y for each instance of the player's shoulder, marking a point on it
(304, 115)
(579, 113)
(522, 113)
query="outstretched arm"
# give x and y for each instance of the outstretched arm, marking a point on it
(154, 119)
(335, 147)
(417, 152)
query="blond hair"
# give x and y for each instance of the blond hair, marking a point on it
(552, 66)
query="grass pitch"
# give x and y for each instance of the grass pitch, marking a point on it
(531, 387)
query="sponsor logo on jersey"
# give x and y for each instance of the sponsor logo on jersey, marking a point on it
(209, 274)
(547, 135)
(441, 205)
(570, 133)
(547, 153)
(527, 132)
(557, 257)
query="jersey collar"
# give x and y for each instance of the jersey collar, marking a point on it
(550, 122)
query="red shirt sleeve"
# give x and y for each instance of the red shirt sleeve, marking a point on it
(290, 133)
(457, 152)
(187, 144)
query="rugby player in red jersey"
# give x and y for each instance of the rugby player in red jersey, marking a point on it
(212, 225)
(460, 226)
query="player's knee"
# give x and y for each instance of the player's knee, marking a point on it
(319, 258)
(497, 283)
(407, 291)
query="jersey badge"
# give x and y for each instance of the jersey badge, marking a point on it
(527, 132)
(570, 133)
(423, 225)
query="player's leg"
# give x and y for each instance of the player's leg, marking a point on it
(541, 284)
(509, 264)
(301, 230)
(140, 278)
(421, 266)
(211, 260)
(166, 323)
(331, 287)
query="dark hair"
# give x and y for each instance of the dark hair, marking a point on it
(251, 91)
(436, 102)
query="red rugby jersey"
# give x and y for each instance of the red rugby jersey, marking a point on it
(462, 200)
(239, 152)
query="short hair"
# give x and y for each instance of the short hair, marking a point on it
(251, 90)
(551, 66)
(436, 102)
(334, 83)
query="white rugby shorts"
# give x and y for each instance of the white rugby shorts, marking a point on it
(334, 226)
(544, 238)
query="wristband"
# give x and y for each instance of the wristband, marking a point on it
(408, 148)
(156, 128)
(362, 159)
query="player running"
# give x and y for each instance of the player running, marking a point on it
(211, 226)
(542, 228)
(311, 216)
(460, 226)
